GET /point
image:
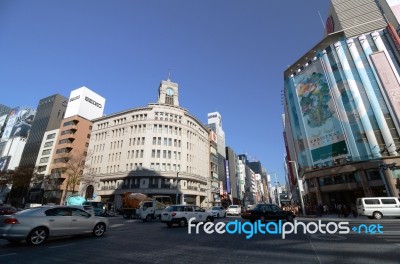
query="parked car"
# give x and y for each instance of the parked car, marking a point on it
(180, 215)
(264, 212)
(6, 210)
(217, 211)
(234, 210)
(36, 225)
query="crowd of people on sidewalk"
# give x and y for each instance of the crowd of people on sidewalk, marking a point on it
(341, 210)
(295, 209)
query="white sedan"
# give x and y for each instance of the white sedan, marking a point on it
(218, 211)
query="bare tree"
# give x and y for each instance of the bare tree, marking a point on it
(6, 178)
(72, 167)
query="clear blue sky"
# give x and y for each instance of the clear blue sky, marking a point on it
(226, 55)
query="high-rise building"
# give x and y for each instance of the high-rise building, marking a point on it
(67, 148)
(49, 113)
(215, 124)
(4, 111)
(157, 149)
(32, 127)
(342, 107)
(232, 175)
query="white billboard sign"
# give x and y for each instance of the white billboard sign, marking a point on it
(85, 103)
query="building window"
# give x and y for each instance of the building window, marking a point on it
(44, 160)
(48, 144)
(46, 152)
(51, 136)
(65, 141)
(69, 123)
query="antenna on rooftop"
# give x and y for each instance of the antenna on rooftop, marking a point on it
(169, 75)
(322, 21)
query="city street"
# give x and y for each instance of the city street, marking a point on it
(133, 241)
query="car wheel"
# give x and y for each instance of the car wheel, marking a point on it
(182, 222)
(377, 215)
(262, 219)
(149, 218)
(289, 218)
(209, 219)
(99, 229)
(225, 215)
(37, 236)
(169, 224)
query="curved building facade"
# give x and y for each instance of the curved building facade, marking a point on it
(160, 149)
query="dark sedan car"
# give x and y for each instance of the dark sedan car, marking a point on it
(7, 210)
(265, 212)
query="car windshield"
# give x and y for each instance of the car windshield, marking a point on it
(215, 208)
(29, 211)
(251, 207)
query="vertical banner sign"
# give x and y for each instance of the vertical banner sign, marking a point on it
(228, 182)
(323, 129)
(388, 79)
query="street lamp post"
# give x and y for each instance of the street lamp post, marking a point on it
(298, 185)
(277, 190)
(177, 187)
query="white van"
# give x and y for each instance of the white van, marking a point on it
(377, 207)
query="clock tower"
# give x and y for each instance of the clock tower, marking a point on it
(168, 93)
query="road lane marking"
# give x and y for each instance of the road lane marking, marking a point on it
(312, 245)
(116, 225)
(66, 245)
(328, 237)
(10, 254)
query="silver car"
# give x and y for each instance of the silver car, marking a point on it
(36, 225)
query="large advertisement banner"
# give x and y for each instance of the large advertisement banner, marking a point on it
(388, 79)
(4, 163)
(2, 121)
(323, 129)
(395, 7)
(10, 124)
(19, 123)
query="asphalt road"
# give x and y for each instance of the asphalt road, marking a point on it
(132, 241)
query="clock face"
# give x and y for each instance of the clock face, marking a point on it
(170, 91)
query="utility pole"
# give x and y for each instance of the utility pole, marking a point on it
(177, 188)
(298, 185)
(277, 190)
